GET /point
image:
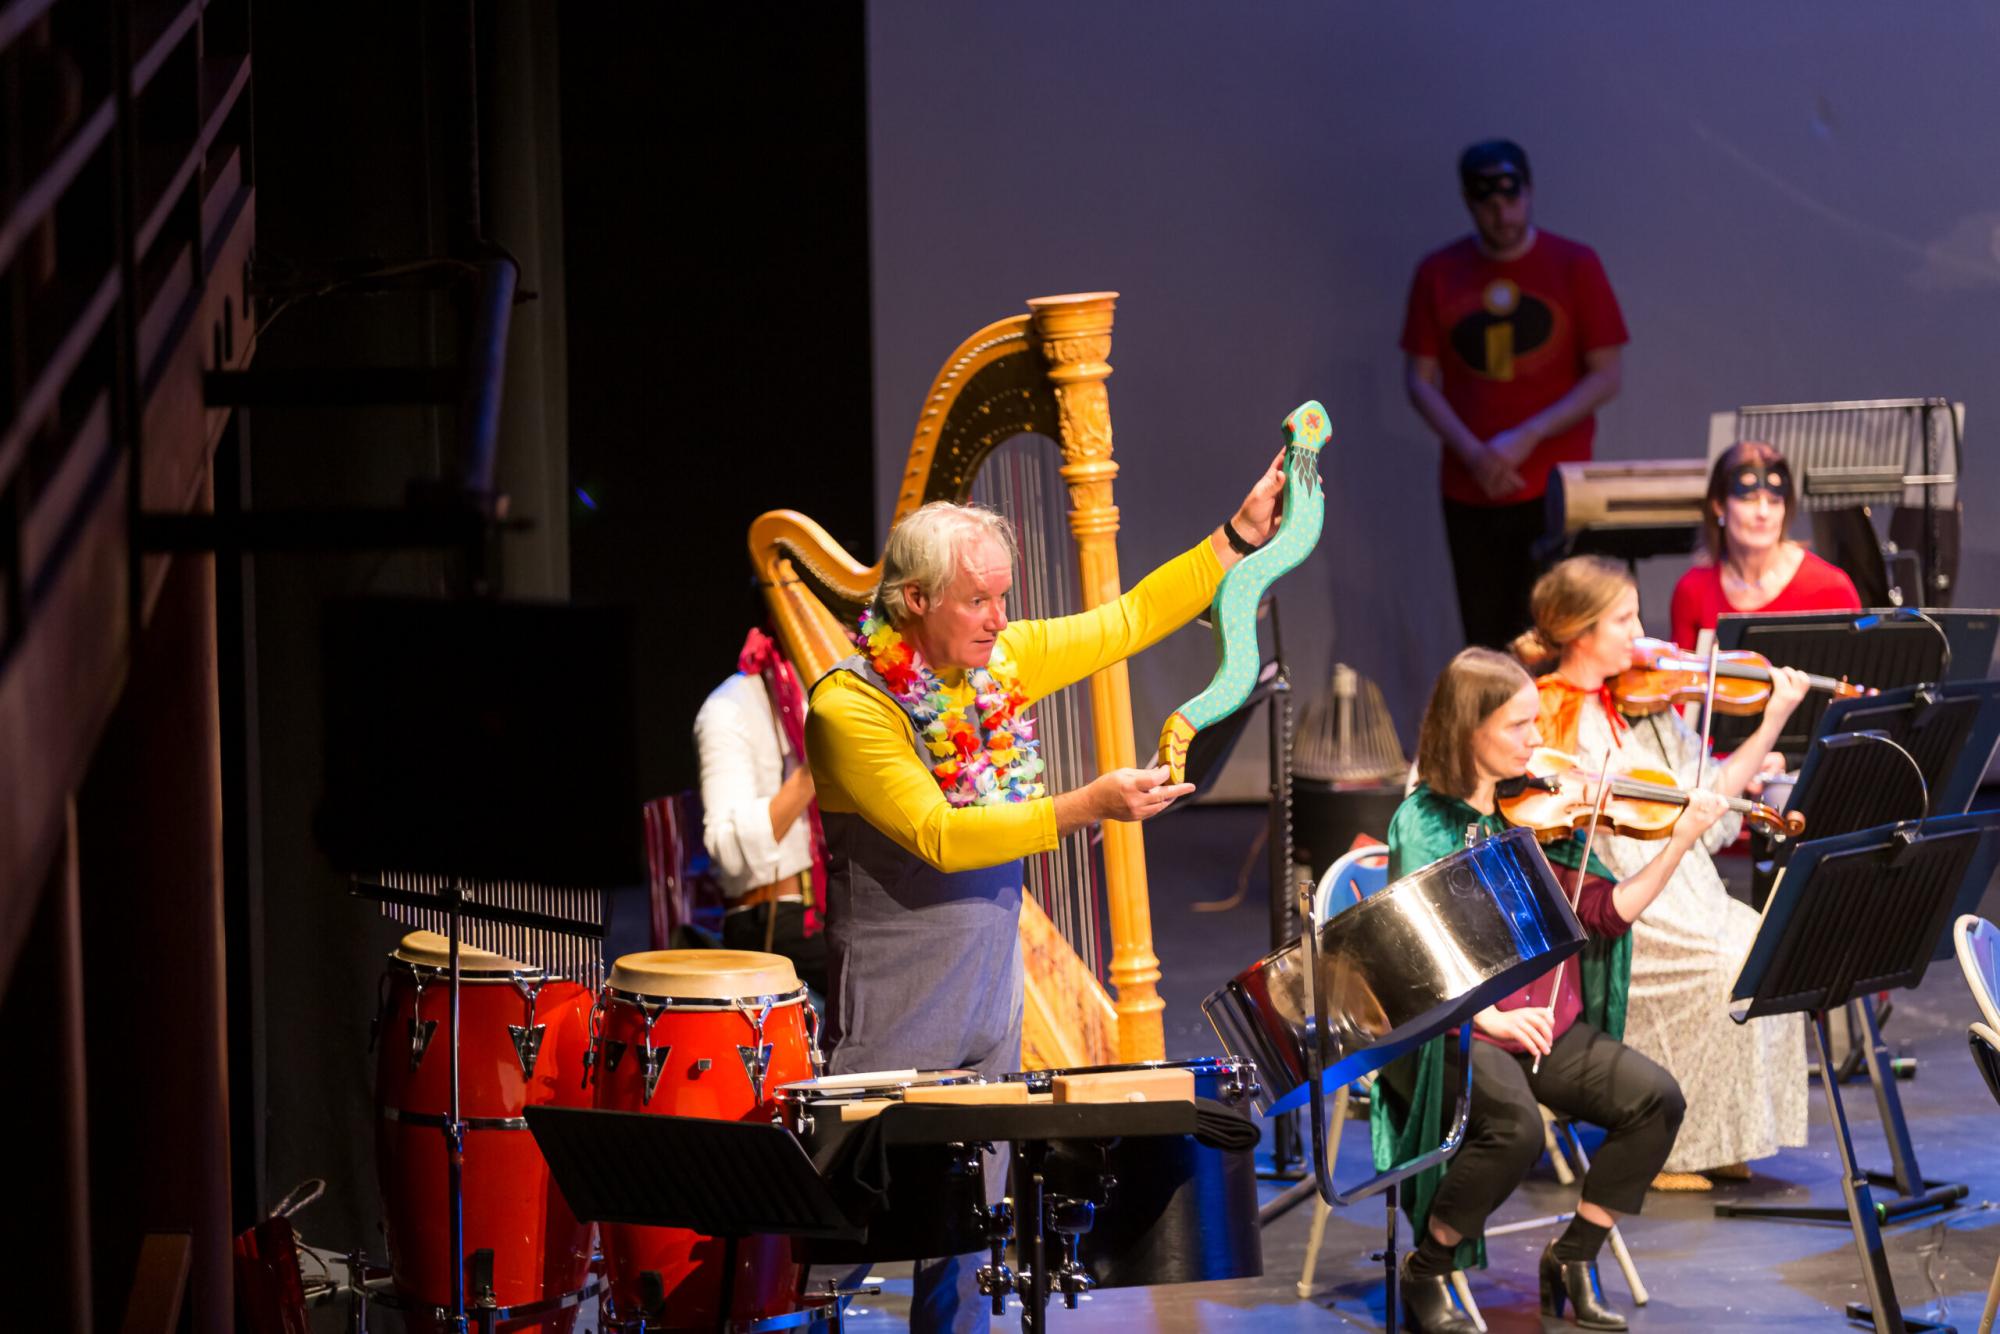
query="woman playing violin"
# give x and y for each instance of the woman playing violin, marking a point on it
(1554, 1042)
(1752, 565)
(1745, 1084)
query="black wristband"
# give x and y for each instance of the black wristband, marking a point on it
(1241, 545)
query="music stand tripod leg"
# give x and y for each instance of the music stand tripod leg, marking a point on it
(1881, 1309)
(1914, 1193)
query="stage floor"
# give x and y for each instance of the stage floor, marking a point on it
(1703, 1273)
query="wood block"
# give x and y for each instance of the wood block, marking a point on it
(1125, 1086)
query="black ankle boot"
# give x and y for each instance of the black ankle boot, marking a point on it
(1427, 1305)
(1575, 1282)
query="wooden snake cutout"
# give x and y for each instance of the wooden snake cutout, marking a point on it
(1234, 612)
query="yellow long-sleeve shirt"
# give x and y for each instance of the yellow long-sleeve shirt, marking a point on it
(863, 748)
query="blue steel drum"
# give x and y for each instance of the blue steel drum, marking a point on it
(1169, 1208)
(1418, 958)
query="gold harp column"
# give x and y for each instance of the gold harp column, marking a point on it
(1075, 336)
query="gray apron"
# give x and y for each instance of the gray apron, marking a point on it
(923, 966)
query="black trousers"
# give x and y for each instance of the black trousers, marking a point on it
(745, 931)
(1589, 1076)
(1493, 564)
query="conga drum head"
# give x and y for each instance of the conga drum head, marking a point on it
(713, 975)
(432, 952)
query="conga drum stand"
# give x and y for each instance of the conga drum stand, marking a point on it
(1853, 915)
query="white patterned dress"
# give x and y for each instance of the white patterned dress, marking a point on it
(1745, 1083)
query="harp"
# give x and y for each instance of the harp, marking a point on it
(1019, 418)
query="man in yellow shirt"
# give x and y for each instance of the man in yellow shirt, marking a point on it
(926, 774)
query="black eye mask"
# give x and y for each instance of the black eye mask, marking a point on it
(1504, 184)
(1747, 482)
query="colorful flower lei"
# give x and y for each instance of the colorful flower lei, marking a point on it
(980, 760)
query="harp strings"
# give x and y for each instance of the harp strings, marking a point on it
(1020, 480)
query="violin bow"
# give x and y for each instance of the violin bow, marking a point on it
(1582, 870)
(1707, 716)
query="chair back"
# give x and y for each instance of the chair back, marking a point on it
(1986, 1055)
(1361, 872)
(1978, 943)
(677, 866)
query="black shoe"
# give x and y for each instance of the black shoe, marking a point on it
(1427, 1305)
(1575, 1282)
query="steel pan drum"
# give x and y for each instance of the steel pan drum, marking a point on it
(1400, 967)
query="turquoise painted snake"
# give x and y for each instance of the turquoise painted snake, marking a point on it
(1234, 611)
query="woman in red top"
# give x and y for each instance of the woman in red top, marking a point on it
(1752, 565)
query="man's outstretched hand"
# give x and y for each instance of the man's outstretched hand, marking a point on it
(1122, 794)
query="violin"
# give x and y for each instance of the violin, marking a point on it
(1662, 676)
(1557, 797)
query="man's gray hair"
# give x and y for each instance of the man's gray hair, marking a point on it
(928, 550)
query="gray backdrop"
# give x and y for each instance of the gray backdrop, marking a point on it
(1794, 203)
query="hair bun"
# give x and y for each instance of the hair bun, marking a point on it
(1534, 650)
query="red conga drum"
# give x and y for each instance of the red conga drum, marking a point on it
(522, 1042)
(708, 1033)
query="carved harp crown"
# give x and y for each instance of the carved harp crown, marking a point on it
(1043, 374)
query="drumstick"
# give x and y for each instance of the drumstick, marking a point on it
(1583, 869)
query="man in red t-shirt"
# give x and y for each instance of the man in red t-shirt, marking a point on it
(1512, 339)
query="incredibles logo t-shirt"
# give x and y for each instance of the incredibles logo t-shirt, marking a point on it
(1510, 339)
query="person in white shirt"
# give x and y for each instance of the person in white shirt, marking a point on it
(756, 791)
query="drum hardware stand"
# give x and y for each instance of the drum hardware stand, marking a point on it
(996, 1280)
(1853, 915)
(1031, 1243)
(1068, 1217)
(1040, 1214)
(1288, 1148)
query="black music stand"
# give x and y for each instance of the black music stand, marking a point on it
(1856, 780)
(1905, 754)
(726, 1179)
(1885, 648)
(1852, 915)
(1949, 730)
